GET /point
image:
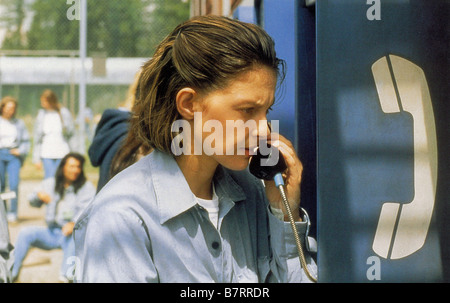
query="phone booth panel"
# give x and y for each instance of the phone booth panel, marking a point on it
(383, 140)
(292, 26)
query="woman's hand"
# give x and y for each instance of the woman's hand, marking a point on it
(38, 165)
(67, 229)
(292, 178)
(14, 152)
(44, 197)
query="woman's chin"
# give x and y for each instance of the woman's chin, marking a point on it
(236, 162)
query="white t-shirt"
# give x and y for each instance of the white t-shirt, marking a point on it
(54, 146)
(212, 206)
(8, 133)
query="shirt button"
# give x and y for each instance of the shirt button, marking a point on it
(215, 245)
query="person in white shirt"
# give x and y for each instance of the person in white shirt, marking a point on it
(14, 147)
(53, 132)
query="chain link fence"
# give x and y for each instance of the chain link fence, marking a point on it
(40, 50)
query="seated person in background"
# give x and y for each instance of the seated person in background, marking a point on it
(65, 195)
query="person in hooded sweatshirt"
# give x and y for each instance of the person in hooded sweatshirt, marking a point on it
(110, 134)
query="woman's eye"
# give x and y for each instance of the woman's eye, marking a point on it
(248, 110)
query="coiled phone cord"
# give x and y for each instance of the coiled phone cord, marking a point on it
(274, 172)
(301, 255)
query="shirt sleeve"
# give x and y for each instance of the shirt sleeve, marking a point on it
(24, 141)
(285, 265)
(68, 123)
(37, 137)
(114, 247)
(46, 186)
(84, 196)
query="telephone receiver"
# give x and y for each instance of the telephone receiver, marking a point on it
(268, 165)
(402, 228)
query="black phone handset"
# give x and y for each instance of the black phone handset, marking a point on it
(267, 167)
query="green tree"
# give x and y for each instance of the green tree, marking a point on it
(50, 28)
(119, 28)
(161, 18)
(12, 19)
(115, 26)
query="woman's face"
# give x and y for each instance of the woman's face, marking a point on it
(8, 110)
(45, 104)
(234, 119)
(71, 170)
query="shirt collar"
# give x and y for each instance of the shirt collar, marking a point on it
(173, 195)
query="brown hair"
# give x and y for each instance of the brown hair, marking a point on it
(52, 99)
(128, 103)
(205, 53)
(60, 178)
(131, 149)
(6, 100)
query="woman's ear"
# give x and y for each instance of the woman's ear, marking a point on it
(186, 98)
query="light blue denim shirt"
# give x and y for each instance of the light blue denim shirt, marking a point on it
(145, 226)
(75, 202)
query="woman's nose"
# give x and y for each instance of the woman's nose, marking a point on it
(263, 130)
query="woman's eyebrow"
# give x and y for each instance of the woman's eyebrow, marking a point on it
(255, 102)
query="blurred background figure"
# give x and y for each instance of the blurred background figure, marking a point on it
(110, 134)
(6, 248)
(66, 195)
(89, 123)
(53, 131)
(14, 147)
